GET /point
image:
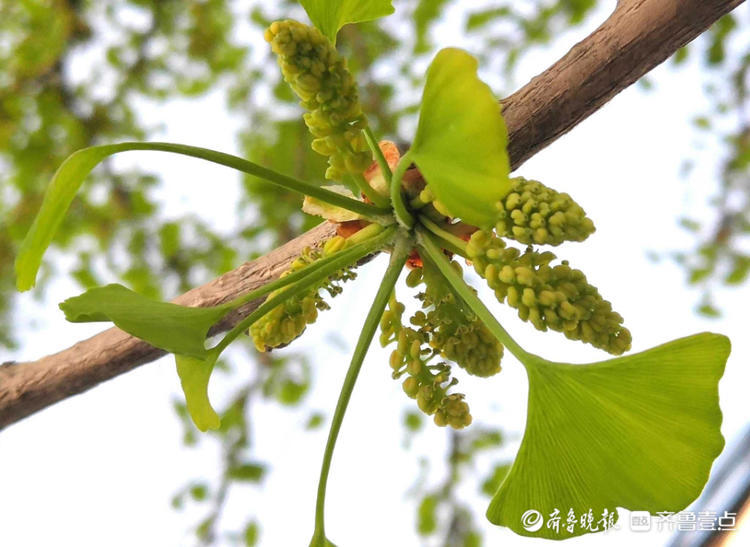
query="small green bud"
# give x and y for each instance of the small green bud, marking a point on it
(411, 386)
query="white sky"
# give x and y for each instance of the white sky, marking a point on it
(100, 469)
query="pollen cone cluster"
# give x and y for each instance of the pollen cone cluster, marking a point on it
(288, 320)
(320, 78)
(428, 384)
(532, 213)
(550, 297)
(457, 334)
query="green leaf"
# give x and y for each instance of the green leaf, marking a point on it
(461, 140)
(71, 174)
(426, 515)
(493, 481)
(199, 492)
(638, 432)
(316, 207)
(330, 15)
(173, 328)
(251, 534)
(194, 375)
(247, 472)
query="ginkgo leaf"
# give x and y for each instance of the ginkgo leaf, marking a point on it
(194, 376)
(316, 207)
(71, 174)
(639, 432)
(173, 328)
(460, 145)
(330, 15)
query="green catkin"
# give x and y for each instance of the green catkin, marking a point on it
(428, 384)
(550, 297)
(458, 336)
(532, 213)
(288, 320)
(320, 78)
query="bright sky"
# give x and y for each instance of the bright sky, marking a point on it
(100, 469)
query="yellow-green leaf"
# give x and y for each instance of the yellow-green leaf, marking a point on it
(70, 176)
(639, 432)
(461, 140)
(330, 15)
(317, 207)
(173, 328)
(194, 376)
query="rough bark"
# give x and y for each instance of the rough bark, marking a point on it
(638, 36)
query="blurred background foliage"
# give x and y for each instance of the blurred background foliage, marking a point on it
(166, 49)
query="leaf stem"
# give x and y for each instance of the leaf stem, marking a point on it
(269, 175)
(453, 239)
(403, 216)
(365, 188)
(344, 258)
(398, 259)
(311, 275)
(435, 254)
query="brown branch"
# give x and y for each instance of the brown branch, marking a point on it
(639, 35)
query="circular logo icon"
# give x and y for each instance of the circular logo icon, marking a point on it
(532, 520)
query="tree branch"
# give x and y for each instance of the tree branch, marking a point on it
(638, 36)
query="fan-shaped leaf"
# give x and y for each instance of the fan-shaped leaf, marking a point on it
(461, 140)
(73, 171)
(638, 432)
(330, 15)
(173, 328)
(194, 376)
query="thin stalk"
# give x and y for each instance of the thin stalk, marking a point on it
(403, 216)
(445, 235)
(310, 277)
(340, 259)
(365, 188)
(436, 256)
(378, 154)
(398, 259)
(417, 203)
(269, 175)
